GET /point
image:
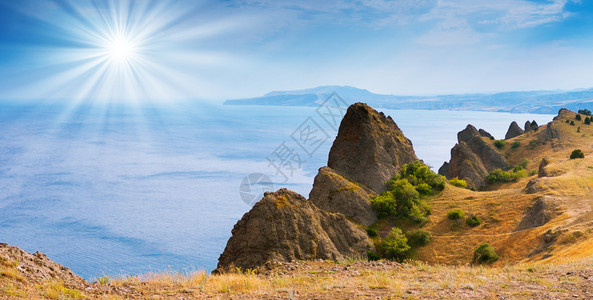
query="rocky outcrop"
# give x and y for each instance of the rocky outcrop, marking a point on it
(466, 165)
(284, 226)
(514, 131)
(472, 158)
(541, 212)
(370, 148)
(485, 133)
(37, 268)
(334, 193)
(541, 172)
(527, 126)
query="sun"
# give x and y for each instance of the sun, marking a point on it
(120, 49)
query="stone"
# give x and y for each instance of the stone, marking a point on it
(513, 131)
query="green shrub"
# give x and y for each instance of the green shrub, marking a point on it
(455, 214)
(372, 232)
(515, 145)
(578, 117)
(499, 175)
(567, 121)
(500, 144)
(395, 245)
(458, 182)
(585, 112)
(572, 123)
(418, 238)
(485, 254)
(373, 256)
(587, 121)
(577, 153)
(405, 190)
(473, 221)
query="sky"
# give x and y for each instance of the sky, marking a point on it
(192, 49)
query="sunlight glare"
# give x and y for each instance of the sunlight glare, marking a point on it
(120, 49)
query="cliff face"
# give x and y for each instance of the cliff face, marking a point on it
(370, 148)
(334, 193)
(284, 226)
(472, 158)
(513, 131)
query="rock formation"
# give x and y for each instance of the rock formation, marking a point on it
(284, 226)
(472, 158)
(541, 212)
(369, 148)
(485, 133)
(514, 131)
(527, 126)
(334, 193)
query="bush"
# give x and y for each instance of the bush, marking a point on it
(405, 190)
(473, 221)
(418, 238)
(458, 182)
(500, 144)
(455, 214)
(585, 112)
(577, 117)
(515, 145)
(499, 175)
(372, 232)
(587, 121)
(373, 256)
(577, 153)
(485, 254)
(572, 123)
(395, 245)
(567, 121)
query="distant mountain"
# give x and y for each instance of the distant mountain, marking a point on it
(516, 102)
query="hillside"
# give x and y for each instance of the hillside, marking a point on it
(543, 102)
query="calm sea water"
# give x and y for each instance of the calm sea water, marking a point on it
(110, 190)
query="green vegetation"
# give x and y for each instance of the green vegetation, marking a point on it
(395, 245)
(572, 123)
(418, 238)
(578, 117)
(500, 144)
(577, 153)
(567, 121)
(372, 232)
(407, 189)
(515, 145)
(585, 112)
(458, 182)
(587, 121)
(473, 221)
(373, 256)
(517, 172)
(455, 214)
(485, 254)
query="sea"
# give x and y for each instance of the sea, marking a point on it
(111, 189)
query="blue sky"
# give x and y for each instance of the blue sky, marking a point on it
(61, 49)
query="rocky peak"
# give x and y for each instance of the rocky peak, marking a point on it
(527, 126)
(485, 133)
(514, 131)
(467, 134)
(370, 148)
(284, 226)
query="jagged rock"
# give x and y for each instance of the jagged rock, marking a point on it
(466, 165)
(473, 158)
(444, 169)
(534, 125)
(541, 212)
(37, 268)
(534, 186)
(485, 133)
(334, 193)
(527, 126)
(551, 132)
(542, 167)
(369, 148)
(284, 226)
(514, 131)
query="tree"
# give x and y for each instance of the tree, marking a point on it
(587, 121)
(578, 117)
(395, 245)
(585, 112)
(577, 153)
